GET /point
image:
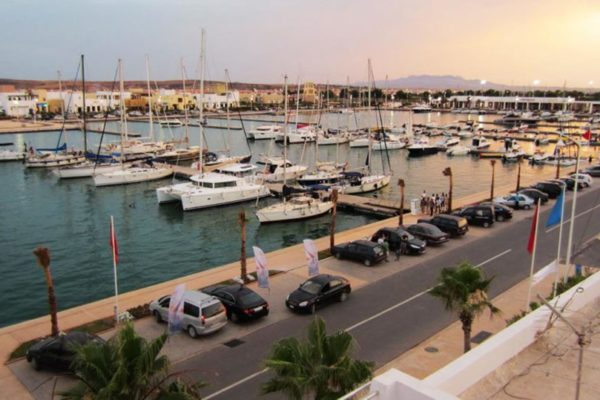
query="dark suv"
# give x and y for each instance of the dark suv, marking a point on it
(367, 252)
(481, 215)
(394, 237)
(451, 224)
(501, 212)
(552, 189)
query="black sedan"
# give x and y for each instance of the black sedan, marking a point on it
(427, 232)
(364, 251)
(318, 291)
(397, 236)
(59, 352)
(501, 212)
(593, 171)
(241, 303)
(535, 194)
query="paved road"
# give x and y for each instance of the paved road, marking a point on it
(394, 314)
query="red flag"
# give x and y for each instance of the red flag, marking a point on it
(587, 135)
(112, 241)
(532, 233)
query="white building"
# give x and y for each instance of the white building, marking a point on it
(18, 104)
(213, 101)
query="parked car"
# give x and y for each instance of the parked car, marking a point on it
(241, 303)
(318, 291)
(431, 234)
(501, 212)
(553, 190)
(563, 184)
(570, 181)
(451, 224)
(58, 352)
(515, 200)
(482, 215)
(535, 194)
(365, 251)
(395, 236)
(593, 171)
(585, 178)
(202, 313)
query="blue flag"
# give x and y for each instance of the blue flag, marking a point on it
(555, 216)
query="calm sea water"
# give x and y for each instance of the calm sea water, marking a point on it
(158, 243)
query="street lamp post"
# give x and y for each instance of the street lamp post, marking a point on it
(493, 163)
(518, 175)
(448, 172)
(401, 216)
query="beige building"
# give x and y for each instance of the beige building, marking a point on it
(310, 93)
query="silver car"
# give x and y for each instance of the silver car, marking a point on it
(515, 200)
(202, 313)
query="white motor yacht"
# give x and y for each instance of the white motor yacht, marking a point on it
(357, 182)
(264, 132)
(458, 150)
(232, 184)
(278, 170)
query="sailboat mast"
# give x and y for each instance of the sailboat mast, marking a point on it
(285, 129)
(122, 109)
(150, 108)
(369, 84)
(185, 109)
(228, 133)
(201, 114)
(84, 108)
(62, 101)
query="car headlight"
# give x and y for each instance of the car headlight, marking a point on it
(414, 246)
(303, 304)
(287, 298)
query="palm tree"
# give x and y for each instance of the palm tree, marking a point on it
(448, 172)
(518, 175)
(334, 199)
(43, 258)
(401, 216)
(463, 290)
(493, 163)
(127, 367)
(242, 222)
(321, 367)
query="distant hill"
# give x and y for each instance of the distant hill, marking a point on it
(440, 82)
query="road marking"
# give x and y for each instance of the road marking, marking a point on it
(576, 216)
(254, 375)
(372, 317)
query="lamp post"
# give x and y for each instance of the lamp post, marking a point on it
(401, 216)
(334, 199)
(518, 175)
(493, 163)
(570, 241)
(448, 172)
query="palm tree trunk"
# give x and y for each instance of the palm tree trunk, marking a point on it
(467, 324)
(401, 216)
(334, 198)
(518, 175)
(243, 270)
(51, 301)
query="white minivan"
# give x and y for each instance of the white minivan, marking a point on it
(202, 313)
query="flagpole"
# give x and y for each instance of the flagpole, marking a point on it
(572, 224)
(537, 222)
(112, 238)
(560, 230)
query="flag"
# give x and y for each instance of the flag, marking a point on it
(532, 233)
(587, 135)
(262, 273)
(544, 272)
(312, 256)
(176, 309)
(555, 216)
(112, 241)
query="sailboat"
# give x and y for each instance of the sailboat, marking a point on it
(134, 173)
(298, 207)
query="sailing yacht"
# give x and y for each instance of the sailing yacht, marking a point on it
(278, 169)
(134, 173)
(53, 158)
(264, 132)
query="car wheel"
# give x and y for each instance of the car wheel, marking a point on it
(234, 317)
(486, 224)
(192, 332)
(35, 364)
(526, 207)
(313, 308)
(367, 262)
(337, 255)
(157, 316)
(343, 296)
(500, 218)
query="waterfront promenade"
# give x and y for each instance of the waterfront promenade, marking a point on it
(12, 336)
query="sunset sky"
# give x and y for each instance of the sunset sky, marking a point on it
(508, 41)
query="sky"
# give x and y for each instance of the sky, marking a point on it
(503, 41)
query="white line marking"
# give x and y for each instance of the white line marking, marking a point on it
(254, 375)
(372, 317)
(576, 216)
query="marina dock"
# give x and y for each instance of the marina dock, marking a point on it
(369, 205)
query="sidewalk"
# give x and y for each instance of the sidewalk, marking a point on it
(286, 260)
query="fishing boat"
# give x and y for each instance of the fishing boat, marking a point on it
(231, 184)
(264, 132)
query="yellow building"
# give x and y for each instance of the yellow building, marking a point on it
(310, 94)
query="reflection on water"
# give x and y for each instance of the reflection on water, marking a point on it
(158, 243)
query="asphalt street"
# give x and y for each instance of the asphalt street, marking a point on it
(392, 315)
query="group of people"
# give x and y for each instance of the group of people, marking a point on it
(399, 248)
(434, 204)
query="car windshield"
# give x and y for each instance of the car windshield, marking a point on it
(250, 298)
(311, 287)
(212, 309)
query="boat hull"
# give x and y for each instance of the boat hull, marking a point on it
(422, 151)
(368, 184)
(201, 199)
(53, 161)
(85, 172)
(131, 175)
(284, 213)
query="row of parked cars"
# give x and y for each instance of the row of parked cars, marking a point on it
(208, 310)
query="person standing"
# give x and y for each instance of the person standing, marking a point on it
(424, 202)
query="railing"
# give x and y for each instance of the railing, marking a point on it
(361, 393)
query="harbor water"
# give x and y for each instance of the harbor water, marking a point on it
(158, 243)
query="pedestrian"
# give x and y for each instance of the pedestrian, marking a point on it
(424, 202)
(403, 246)
(443, 202)
(431, 205)
(438, 204)
(386, 246)
(590, 159)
